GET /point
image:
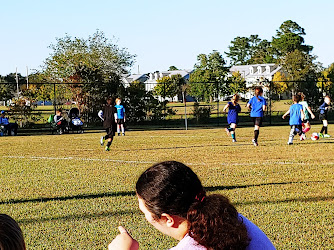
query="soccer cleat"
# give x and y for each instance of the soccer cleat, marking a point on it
(302, 137)
(255, 142)
(102, 140)
(227, 131)
(321, 135)
(107, 148)
(326, 136)
(234, 140)
(123, 134)
(290, 143)
(119, 134)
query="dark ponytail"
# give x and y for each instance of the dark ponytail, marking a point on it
(173, 188)
(215, 224)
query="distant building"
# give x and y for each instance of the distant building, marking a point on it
(151, 79)
(254, 74)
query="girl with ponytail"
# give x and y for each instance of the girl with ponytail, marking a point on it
(174, 201)
(257, 104)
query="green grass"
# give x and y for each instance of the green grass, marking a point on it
(67, 193)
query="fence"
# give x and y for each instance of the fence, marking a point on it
(145, 107)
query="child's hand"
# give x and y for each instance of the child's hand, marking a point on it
(312, 116)
(283, 116)
(123, 241)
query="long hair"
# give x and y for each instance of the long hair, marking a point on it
(258, 91)
(173, 188)
(11, 237)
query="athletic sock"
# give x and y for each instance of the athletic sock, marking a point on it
(305, 130)
(233, 136)
(326, 130)
(109, 144)
(230, 129)
(322, 129)
(256, 134)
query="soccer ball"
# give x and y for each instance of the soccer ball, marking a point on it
(100, 114)
(315, 136)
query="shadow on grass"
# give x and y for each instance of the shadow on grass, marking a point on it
(72, 197)
(137, 212)
(133, 193)
(81, 216)
(307, 199)
(256, 185)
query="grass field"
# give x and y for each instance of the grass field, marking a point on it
(66, 192)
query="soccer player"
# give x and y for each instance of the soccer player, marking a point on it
(307, 112)
(232, 116)
(109, 123)
(296, 117)
(258, 105)
(120, 116)
(323, 117)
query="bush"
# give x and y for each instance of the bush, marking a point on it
(202, 114)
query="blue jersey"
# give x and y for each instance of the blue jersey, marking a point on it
(323, 109)
(296, 114)
(120, 111)
(257, 106)
(4, 121)
(232, 116)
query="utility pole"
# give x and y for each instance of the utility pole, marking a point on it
(27, 79)
(17, 84)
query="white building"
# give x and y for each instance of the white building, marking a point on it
(256, 74)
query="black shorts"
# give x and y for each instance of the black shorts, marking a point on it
(120, 121)
(110, 132)
(322, 117)
(257, 121)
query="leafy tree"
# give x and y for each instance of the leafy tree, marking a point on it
(95, 62)
(171, 68)
(237, 83)
(239, 51)
(325, 81)
(279, 83)
(207, 80)
(170, 86)
(289, 37)
(6, 89)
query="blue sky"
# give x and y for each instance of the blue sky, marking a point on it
(160, 33)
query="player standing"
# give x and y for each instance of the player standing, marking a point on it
(109, 124)
(120, 116)
(232, 116)
(296, 117)
(258, 105)
(323, 117)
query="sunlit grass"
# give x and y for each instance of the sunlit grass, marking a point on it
(67, 192)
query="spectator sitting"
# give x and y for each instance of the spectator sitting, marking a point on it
(60, 121)
(11, 237)
(9, 128)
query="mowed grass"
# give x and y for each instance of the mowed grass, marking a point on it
(66, 192)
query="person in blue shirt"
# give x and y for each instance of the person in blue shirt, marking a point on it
(9, 128)
(297, 115)
(323, 117)
(257, 104)
(232, 115)
(120, 116)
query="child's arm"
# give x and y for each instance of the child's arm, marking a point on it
(286, 113)
(310, 111)
(115, 116)
(226, 107)
(302, 114)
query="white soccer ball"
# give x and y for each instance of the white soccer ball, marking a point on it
(315, 136)
(100, 114)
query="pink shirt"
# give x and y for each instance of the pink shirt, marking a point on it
(188, 243)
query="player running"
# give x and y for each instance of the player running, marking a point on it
(257, 104)
(296, 117)
(109, 124)
(232, 116)
(307, 112)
